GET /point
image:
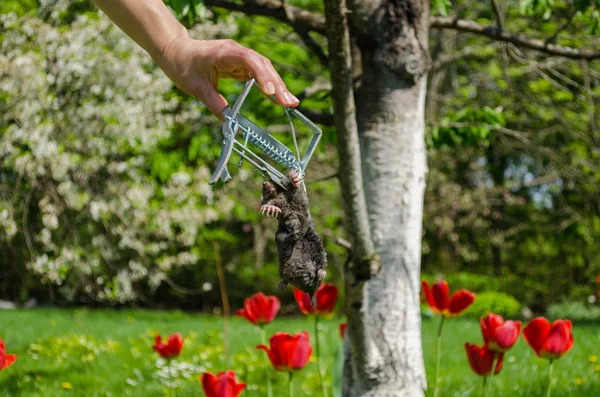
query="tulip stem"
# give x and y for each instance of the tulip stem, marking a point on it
(264, 342)
(488, 390)
(438, 353)
(291, 385)
(549, 391)
(317, 349)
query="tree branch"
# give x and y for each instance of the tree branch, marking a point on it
(563, 27)
(313, 46)
(516, 39)
(498, 13)
(351, 177)
(317, 86)
(318, 117)
(470, 52)
(295, 16)
(308, 21)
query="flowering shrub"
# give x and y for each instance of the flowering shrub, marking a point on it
(81, 127)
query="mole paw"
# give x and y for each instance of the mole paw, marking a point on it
(322, 273)
(295, 178)
(283, 285)
(270, 210)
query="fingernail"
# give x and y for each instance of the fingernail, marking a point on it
(270, 88)
(289, 98)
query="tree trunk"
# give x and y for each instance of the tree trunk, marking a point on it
(384, 352)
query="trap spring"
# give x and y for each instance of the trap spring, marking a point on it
(263, 141)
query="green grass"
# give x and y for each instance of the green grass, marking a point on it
(108, 353)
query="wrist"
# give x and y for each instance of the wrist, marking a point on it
(164, 52)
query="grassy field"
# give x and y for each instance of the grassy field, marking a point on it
(108, 353)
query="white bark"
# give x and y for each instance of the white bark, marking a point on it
(384, 355)
(394, 170)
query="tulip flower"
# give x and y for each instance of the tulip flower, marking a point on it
(6, 360)
(439, 300)
(481, 359)
(343, 329)
(499, 335)
(260, 309)
(222, 385)
(547, 340)
(171, 349)
(326, 297)
(288, 353)
(551, 341)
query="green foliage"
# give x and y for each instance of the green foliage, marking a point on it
(494, 302)
(468, 127)
(471, 281)
(537, 7)
(188, 11)
(19, 7)
(71, 347)
(440, 7)
(575, 311)
(518, 204)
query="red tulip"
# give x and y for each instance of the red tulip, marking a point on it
(438, 299)
(260, 309)
(171, 349)
(288, 353)
(6, 360)
(222, 385)
(481, 359)
(549, 341)
(326, 296)
(343, 330)
(499, 335)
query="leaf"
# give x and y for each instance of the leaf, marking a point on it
(595, 23)
(581, 5)
(441, 7)
(537, 8)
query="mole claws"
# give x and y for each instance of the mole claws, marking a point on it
(270, 210)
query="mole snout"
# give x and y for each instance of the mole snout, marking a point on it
(269, 187)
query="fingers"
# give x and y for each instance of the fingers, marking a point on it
(263, 71)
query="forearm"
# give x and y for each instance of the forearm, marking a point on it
(147, 22)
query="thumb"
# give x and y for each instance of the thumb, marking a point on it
(214, 101)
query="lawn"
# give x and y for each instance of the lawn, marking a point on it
(108, 353)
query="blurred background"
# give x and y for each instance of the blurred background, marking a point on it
(104, 198)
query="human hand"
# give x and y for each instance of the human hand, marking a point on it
(195, 66)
